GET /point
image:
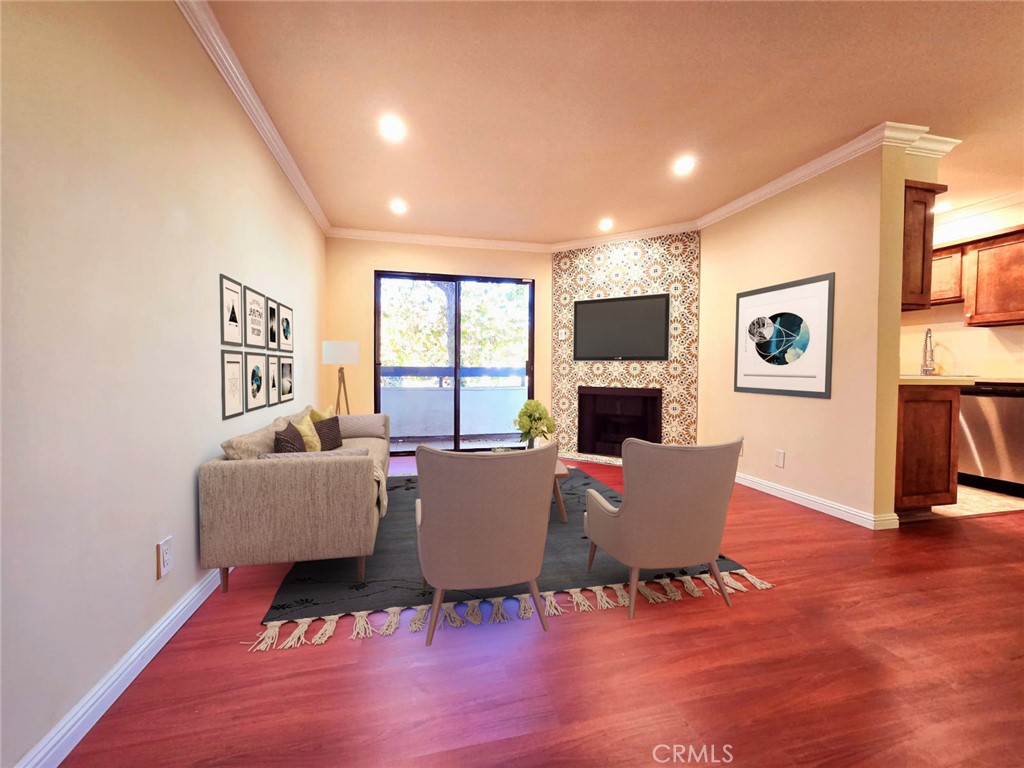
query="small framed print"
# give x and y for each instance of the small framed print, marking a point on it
(255, 318)
(286, 329)
(286, 365)
(231, 387)
(273, 380)
(272, 324)
(255, 381)
(230, 312)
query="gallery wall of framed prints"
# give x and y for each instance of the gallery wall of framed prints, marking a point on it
(250, 320)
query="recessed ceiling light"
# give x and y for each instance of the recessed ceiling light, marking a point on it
(942, 207)
(605, 224)
(683, 165)
(392, 128)
(399, 206)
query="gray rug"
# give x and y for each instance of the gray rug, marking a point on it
(328, 589)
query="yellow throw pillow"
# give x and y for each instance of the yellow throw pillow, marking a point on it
(316, 415)
(309, 435)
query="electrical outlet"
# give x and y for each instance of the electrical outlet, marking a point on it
(163, 558)
(563, 334)
(780, 458)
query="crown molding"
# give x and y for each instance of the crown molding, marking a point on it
(438, 240)
(980, 208)
(636, 234)
(211, 36)
(932, 146)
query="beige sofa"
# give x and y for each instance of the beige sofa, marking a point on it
(256, 508)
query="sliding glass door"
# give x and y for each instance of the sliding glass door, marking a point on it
(454, 358)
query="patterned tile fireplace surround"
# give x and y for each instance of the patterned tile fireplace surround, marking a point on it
(668, 264)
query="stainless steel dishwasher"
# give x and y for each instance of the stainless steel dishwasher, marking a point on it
(992, 432)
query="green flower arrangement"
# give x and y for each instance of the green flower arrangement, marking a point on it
(534, 421)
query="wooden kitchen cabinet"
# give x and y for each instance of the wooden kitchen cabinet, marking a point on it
(927, 445)
(947, 283)
(993, 280)
(918, 224)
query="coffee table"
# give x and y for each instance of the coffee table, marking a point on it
(560, 472)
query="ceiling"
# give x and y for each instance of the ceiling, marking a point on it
(531, 121)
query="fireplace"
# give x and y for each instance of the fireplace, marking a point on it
(608, 415)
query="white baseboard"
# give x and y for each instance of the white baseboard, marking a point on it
(849, 514)
(66, 734)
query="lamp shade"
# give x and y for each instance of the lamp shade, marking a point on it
(341, 353)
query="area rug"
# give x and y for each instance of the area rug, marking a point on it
(327, 590)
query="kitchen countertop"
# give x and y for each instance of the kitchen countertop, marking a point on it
(939, 381)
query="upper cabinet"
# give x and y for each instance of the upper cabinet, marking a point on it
(993, 280)
(918, 222)
(947, 285)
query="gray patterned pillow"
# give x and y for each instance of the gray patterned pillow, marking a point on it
(363, 425)
(329, 433)
(318, 454)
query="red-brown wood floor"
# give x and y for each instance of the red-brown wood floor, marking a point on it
(897, 648)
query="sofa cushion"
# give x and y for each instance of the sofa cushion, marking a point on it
(308, 432)
(289, 440)
(318, 416)
(329, 433)
(319, 454)
(252, 444)
(362, 425)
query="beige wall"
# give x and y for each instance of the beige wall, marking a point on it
(831, 223)
(349, 309)
(991, 352)
(131, 179)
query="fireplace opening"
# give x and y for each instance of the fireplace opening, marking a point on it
(609, 415)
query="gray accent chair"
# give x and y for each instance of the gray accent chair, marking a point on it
(673, 509)
(482, 519)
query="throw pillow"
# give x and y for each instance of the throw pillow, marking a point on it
(317, 416)
(363, 425)
(289, 440)
(329, 433)
(308, 432)
(336, 453)
(251, 445)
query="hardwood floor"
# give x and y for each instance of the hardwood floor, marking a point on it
(897, 648)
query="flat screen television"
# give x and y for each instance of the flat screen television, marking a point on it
(626, 328)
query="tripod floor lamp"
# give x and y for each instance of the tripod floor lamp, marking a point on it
(341, 353)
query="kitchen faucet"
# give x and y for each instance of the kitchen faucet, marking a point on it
(928, 359)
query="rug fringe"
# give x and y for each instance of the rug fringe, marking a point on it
(448, 614)
(361, 628)
(268, 638)
(650, 594)
(729, 581)
(579, 601)
(525, 607)
(498, 615)
(298, 637)
(473, 615)
(551, 606)
(327, 630)
(670, 589)
(419, 621)
(603, 602)
(758, 583)
(691, 589)
(391, 625)
(708, 579)
(621, 594)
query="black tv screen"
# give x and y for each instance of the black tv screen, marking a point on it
(627, 328)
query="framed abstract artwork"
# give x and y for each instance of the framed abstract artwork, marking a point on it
(784, 338)
(255, 381)
(231, 315)
(272, 324)
(287, 384)
(255, 318)
(273, 381)
(286, 329)
(231, 389)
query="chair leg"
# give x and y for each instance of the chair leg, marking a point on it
(590, 558)
(721, 584)
(538, 604)
(634, 580)
(224, 579)
(360, 568)
(435, 610)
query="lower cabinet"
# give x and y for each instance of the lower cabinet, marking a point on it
(927, 445)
